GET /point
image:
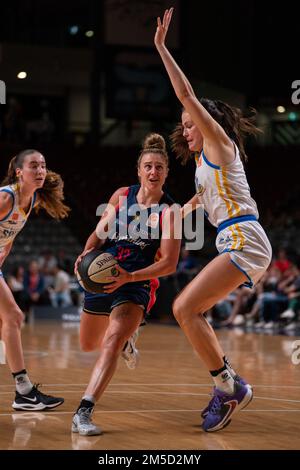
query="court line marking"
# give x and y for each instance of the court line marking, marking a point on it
(153, 385)
(138, 392)
(57, 413)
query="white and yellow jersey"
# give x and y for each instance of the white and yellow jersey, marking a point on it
(228, 205)
(224, 191)
(14, 221)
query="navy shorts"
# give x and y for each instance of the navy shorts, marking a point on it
(142, 294)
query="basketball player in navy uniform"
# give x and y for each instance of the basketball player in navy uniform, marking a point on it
(110, 319)
(28, 185)
(214, 132)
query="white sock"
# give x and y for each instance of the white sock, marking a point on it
(229, 366)
(224, 381)
(23, 384)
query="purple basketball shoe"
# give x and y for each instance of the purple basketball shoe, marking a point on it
(223, 406)
(237, 379)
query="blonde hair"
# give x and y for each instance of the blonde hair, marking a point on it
(154, 143)
(50, 196)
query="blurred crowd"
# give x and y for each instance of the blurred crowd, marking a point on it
(48, 280)
(273, 303)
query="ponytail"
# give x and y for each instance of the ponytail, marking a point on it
(231, 119)
(11, 173)
(179, 145)
(51, 196)
(236, 126)
(16, 162)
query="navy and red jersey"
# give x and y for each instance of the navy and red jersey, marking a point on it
(136, 239)
(134, 242)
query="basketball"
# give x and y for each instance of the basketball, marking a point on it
(94, 269)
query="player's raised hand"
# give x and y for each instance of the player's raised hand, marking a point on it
(162, 28)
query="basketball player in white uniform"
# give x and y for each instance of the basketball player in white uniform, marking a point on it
(28, 184)
(214, 131)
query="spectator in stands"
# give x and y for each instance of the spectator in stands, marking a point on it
(282, 262)
(47, 264)
(65, 262)
(243, 300)
(273, 299)
(34, 284)
(188, 267)
(15, 281)
(293, 293)
(265, 289)
(60, 295)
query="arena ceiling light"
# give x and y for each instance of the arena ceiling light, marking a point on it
(280, 109)
(73, 29)
(22, 75)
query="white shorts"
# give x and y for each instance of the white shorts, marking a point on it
(249, 249)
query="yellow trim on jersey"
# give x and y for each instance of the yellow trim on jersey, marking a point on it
(16, 189)
(237, 237)
(22, 212)
(234, 237)
(243, 240)
(222, 194)
(197, 157)
(227, 189)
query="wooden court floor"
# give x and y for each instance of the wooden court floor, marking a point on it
(157, 406)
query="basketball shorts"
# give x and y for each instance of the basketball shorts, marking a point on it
(249, 249)
(141, 293)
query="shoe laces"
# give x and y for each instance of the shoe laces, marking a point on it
(130, 343)
(211, 400)
(85, 415)
(38, 392)
(215, 404)
(210, 403)
(128, 350)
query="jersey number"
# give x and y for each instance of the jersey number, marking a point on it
(123, 253)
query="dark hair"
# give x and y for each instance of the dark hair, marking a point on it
(154, 143)
(231, 119)
(50, 196)
(16, 162)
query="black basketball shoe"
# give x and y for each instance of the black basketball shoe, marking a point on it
(35, 401)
